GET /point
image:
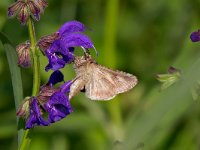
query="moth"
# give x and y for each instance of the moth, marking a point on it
(99, 82)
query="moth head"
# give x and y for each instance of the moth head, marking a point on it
(82, 60)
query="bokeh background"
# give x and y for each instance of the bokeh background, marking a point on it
(142, 37)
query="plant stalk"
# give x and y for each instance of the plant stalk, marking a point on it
(110, 59)
(36, 78)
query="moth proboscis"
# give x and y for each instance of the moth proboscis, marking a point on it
(99, 82)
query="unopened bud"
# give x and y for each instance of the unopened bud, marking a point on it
(15, 8)
(23, 52)
(23, 110)
(195, 36)
(173, 70)
(169, 78)
(25, 9)
(45, 42)
(42, 4)
(23, 14)
(34, 10)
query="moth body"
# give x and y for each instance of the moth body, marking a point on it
(99, 82)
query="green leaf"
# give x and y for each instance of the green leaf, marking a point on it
(15, 77)
(164, 111)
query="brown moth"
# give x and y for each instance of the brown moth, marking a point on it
(99, 82)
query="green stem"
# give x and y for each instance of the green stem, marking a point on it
(36, 78)
(35, 59)
(110, 58)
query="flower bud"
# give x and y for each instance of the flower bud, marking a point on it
(42, 4)
(45, 42)
(23, 14)
(169, 78)
(23, 52)
(195, 36)
(25, 9)
(34, 10)
(23, 110)
(15, 8)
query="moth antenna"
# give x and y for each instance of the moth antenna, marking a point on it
(75, 79)
(97, 54)
(85, 51)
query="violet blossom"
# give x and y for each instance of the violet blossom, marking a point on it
(35, 117)
(51, 100)
(61, 50)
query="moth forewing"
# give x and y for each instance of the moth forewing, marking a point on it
(100, 83)
(106, 83)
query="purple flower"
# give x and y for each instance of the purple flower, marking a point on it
(195, 36)
(61, 51)
(55, 77)
(76, 40)
(58, 107)
(72, 27)
(35, 117)
(52, 101)
(58, 57)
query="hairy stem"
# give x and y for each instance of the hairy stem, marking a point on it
(36, 78)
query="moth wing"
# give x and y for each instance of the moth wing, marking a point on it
(77, 85)
(106, 83)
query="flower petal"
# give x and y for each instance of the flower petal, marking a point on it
(55, 62)
(72, 26)
(65, 88)
(58, 57)
(35, 117)
(56, 77)
(58, 107)
(76, 40)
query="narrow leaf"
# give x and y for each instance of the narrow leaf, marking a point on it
(15, 77)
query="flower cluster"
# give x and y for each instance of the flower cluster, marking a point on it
(24, 9)
(51, 100)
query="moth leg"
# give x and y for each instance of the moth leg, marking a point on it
(83, 90)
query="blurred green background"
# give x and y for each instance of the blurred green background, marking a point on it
(142, 37)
